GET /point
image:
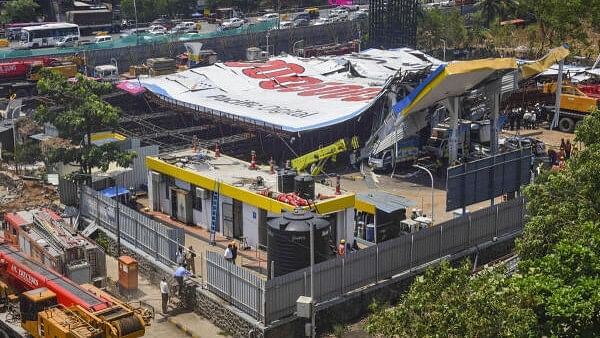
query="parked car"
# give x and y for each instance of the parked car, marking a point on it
(349, 8)
(322, 21)
(68, 41)
(184, 27)
(232, 23)
(359, 15)
(157, 30)
(302, 16)
(102, 39)
(268, 17)
(163, 22)
(301, 23)
(286, 24)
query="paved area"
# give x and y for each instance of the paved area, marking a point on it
(182, 325)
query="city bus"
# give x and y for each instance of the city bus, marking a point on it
(13, 30)
(47, 35)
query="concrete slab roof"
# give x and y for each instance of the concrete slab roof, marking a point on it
(234, 178)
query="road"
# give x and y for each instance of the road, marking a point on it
(206, 27)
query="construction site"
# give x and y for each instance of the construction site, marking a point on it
(335, 174)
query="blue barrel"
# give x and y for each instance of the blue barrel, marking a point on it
(370, 233)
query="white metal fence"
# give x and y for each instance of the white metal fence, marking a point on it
(339, 276)
(152, 237)
(237, 285)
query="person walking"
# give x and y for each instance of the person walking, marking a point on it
(179, 274)
(228, 253)
(234, 251)
(568, 148)
(164, 292)
(190, 260)
(341, 250)
(355, 245)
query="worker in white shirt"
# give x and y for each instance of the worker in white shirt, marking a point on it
(164, 292)
(179, 274)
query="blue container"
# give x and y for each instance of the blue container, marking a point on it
(370, 233)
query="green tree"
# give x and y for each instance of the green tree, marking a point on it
(494, 9)
(436, 25)
(560, 245)
(19, 10)
(449, 302)
(81, 113)
(29, 152)
(562, 20)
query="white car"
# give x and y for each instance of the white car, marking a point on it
(322, 21)
(268, 17)
(102, 38)
(68, 41)
(233, 23)
(184, 27)
(286, 24)
(157, 30)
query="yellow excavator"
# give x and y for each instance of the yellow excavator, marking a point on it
(316, 159)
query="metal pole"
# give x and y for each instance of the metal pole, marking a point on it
(268, 53)
(558, 94)
(432, 188)
(444, 44)
(118, 220)
(312, 280)
(137, 32)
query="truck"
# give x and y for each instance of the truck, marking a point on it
(47, 238)
(405, 151)
(574, 105)
(51, 305)
(19, 77)
(90, 21)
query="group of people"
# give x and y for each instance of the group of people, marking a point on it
(344, 247)
(185, 261)
(564, 153)
(231, 252)
(522, 118)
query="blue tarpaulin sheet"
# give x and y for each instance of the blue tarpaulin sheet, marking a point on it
(112, 192)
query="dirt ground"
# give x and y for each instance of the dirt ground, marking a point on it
(19, 194)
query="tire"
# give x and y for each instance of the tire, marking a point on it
(566, 124)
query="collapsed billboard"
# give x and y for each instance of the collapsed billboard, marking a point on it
(285, 92)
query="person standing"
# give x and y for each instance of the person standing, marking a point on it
(568, 148)
(164, 292)
(180, 256)
(190, 260)
(234, 251)
(179, 274)
(228, 253)
(341, 249)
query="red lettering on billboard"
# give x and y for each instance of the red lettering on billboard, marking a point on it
(286, 77)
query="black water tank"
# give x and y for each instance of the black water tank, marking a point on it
(289, 241)
(285, 180)
(304, 186)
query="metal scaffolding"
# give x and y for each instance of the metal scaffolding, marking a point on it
(393, 23)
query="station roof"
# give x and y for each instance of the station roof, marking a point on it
(453, 79)
(233, 178)
(288, 93)
(383, 201)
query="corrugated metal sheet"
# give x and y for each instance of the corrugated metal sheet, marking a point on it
(156, 239)
(67, 191)
(336, 277)
(239, 286)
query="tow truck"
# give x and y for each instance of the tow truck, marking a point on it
(51, 305)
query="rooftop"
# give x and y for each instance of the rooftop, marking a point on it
(236, 179)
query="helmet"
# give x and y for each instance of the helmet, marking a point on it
(343, 241)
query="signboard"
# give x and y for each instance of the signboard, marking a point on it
(486, 178)
(285, 92)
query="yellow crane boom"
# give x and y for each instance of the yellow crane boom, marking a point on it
(317, 158)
